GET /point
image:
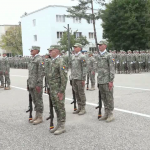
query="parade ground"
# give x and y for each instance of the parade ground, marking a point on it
(129, 131)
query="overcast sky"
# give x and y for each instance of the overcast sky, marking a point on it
(12, 10)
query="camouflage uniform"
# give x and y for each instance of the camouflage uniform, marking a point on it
(35, 79)
(78, 74)
(1, 74)
(57, 80)
(6, 70)
(106, 73)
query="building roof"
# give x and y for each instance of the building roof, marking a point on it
(43, 9)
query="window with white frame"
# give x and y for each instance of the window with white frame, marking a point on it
(77, 34)
(77, 20)
(91, 35)
(91, 21)
(92, 49)
(59, 35)
(35, 37)
(34, 22)
(60, 18)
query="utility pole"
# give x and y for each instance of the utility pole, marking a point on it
(68, 40)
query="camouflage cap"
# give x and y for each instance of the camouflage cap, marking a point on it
(54, 47)
(35, 48)
(102, 42)
(90, 53)
(78, 45)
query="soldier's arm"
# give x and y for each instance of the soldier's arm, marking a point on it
(111, 68)
(40, 72)
(63, 75)
(84, 70)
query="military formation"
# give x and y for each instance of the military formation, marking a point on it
(54, 66)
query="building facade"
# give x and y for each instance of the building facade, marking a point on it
(3, 30)
(45, 27)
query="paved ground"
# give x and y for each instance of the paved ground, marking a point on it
(129, 131)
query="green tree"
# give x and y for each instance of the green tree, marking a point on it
(64, 40)
(126, 24)
(11, 41)
(85, 10)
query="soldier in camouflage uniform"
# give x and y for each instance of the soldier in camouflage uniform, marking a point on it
(78, 76)
(6, 70)
(106, 73)
(35, 83)
(57, 80)
(91, 65)
(1, 74)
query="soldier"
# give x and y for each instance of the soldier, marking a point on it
(35, 83)
(57, 80)
(78, 76)
(6, 70)
(106, 73)
(129, 61)
(1, 74)
(91, 63)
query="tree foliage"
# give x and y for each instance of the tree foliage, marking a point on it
(126, 24)
(64, 40)
(11, 41)
(85, 10)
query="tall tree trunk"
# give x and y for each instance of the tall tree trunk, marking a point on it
(95, 36)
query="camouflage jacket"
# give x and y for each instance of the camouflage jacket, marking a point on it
(35, 72)
(5, 63)
(47, 62)
(78, 67)
(91, 64)
(105, 68)
(57, 75)
(1, 65)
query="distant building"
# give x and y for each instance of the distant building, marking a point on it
(3, 30)
(45, 27)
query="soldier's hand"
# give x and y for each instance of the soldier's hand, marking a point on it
(60, 96)
(83, 83)
(6, 72)
(1, 72)
(93, 73)
(38, 89)
(110, 85)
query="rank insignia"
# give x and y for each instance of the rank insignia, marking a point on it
(83, 60)
(113, 60)
(42, 63)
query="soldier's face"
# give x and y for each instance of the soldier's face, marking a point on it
(46, 56)
(34, 52)
(53, 53)
(4, 55)
(77, 49)
(102, 47)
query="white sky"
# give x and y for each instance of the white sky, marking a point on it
(12, 10)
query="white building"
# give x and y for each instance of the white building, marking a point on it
(3, 30)
(45, 27)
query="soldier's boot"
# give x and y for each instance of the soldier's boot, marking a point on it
(39, 119)
(105, 116)
(57, 126)
(61, 129)
(83, 111)
(2, 86)
(92, 88)
(110, 117)
(7, 88)
(36, 116)
(78, 110)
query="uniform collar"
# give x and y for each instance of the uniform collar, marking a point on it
(103, 52)
(77, 54)
(56, 57)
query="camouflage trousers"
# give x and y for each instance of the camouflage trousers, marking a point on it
(92, 78)
(37, 100)
(59, 105)
(7, 79)
(1, 79)
(107, 97)
(79, 92)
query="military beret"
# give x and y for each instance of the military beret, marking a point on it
(35, 48)
(78, 45)
(54, 47)
(102, 42)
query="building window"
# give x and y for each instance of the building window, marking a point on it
(34, 22)
(91, 35)
(77, 34)
(59, 35)
(35, 37)
(92, 49)
(77, 20)
(60, 18)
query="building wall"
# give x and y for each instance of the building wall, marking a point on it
(47, 27)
